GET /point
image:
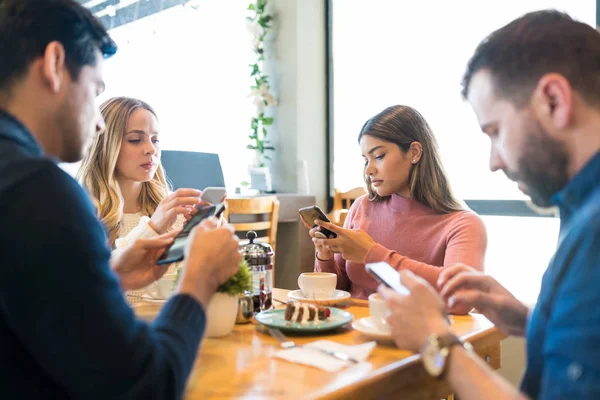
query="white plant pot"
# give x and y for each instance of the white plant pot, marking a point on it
(220, 315)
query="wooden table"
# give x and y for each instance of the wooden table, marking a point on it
(241, 366)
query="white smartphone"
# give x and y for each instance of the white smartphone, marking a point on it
(213, 195)
(385, 274)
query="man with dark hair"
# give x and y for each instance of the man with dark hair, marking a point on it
(65, 329)
(535, 88)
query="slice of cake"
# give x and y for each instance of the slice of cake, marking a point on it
(304, 313)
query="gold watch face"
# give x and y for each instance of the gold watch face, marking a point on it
(433, 359)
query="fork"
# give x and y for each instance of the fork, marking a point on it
(288, 344)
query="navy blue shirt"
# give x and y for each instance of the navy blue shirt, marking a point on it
(65, 328)
(563, 334)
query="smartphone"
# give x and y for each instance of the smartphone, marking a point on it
(309, 214)
(175, 252)
(385, 274)
(213, 195)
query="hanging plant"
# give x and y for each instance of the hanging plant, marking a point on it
(259, 24)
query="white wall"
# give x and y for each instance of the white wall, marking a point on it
(297, 65)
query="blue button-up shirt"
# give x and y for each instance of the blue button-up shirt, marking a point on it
(563, 335)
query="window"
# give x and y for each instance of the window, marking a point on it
(191, 65)
(415, 53)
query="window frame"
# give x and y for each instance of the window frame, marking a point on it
(509, 208)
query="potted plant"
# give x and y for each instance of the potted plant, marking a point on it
(223, 307)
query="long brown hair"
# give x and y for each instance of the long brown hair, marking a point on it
(97, 171)
(403, 125)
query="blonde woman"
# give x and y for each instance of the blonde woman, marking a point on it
(410, 218)
(123, 174)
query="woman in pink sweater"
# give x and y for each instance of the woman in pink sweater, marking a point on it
(410, 218)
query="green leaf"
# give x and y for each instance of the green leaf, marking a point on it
(244, 183)
(251, 7)
(267, 121)
(240, 282)
(269, 148)
(250, 147)
(268, 158)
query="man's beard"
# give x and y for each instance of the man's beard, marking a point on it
(543, 166)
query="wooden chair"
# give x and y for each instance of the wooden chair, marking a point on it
(259, 214)
(342, 202)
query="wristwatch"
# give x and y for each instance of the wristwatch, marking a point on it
(436, 353)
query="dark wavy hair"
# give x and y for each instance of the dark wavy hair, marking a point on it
(28, 26)
(403, 125)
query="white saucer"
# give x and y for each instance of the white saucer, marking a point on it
(367, 327)
(339, 296)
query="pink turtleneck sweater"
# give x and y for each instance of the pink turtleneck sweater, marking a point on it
(411, 236)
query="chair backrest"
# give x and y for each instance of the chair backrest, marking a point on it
(342, 201)
(259, 214)
(190, 169)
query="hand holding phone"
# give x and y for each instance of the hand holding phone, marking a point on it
(388, 276)
(309, 214)
(175, 252)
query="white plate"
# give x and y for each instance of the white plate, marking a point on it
(152, 300)
(367, 327)
(339, 296)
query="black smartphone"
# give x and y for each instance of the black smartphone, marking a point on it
(175, 252)
(309, 214)
(385, 274)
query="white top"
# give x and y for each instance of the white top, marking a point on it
(135, 226)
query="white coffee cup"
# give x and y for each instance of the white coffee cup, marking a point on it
(379, 311)
(317, 285)
(162, 288)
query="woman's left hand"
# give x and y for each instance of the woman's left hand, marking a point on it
(353, 244)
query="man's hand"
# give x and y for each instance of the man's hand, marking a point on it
(212, 257)
(353, 244)
(416, 316)
(136, 265)
(463, 286)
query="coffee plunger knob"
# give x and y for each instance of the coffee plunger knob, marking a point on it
(251, 235)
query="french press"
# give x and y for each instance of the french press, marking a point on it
(259, 257)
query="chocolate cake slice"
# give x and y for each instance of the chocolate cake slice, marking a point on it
(303, 312)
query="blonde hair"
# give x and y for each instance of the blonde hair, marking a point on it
(429, 185)
(97, 171)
